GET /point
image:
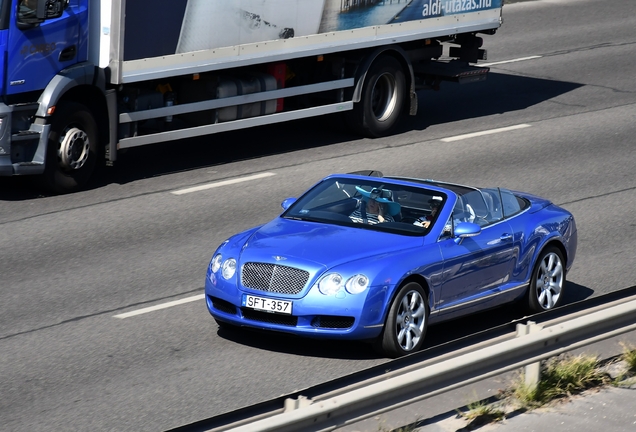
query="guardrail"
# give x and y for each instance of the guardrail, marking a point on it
(350, 403)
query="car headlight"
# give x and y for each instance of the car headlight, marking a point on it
(357, 284)
(215, 265)
(330, 284)
(228, 268)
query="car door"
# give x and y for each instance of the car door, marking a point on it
(38, 53)
(475, 268)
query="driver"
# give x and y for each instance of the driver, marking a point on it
(374, 208)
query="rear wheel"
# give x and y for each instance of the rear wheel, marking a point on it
(72, 149)
(548, 280)
(406, 323)
(382, 100)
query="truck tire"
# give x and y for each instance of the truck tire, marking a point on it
(72, 149)
(382, 100)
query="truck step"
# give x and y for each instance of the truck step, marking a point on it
(451, 71)
(26, 135)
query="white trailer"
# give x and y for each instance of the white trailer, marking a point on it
(147, 72)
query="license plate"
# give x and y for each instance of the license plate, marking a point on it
(267, 305)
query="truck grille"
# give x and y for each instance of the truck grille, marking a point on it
(273, 278)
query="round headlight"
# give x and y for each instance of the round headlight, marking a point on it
(330, 284)
(229, 268)
(357, 284)
(215, 265)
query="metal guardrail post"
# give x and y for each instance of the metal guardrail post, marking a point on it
(532, 371)
(293, 404)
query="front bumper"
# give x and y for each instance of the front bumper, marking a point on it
(353, 317)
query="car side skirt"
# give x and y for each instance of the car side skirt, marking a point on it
(495, 299)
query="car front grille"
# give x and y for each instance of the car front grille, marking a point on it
(273, 278)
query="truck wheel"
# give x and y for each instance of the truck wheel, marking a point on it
(382, 99)
(405, 326)
(72, 148)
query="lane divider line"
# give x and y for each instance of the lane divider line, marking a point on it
(508, 61)
(222, 183)
(160, 306)
(486, 132)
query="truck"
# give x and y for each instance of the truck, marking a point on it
(83, 80)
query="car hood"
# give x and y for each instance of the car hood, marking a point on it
(293, 242)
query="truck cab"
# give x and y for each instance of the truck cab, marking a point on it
(42, 42)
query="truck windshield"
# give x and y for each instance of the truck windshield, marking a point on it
(5, 7)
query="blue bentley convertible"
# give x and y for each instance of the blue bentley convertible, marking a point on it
(379, 258)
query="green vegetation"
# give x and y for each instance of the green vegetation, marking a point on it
(561, 376)
(629, 357)
(481, 412)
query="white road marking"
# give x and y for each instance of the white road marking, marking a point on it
(160, 306)
(486, 132)
(508, 61)
(222, 183)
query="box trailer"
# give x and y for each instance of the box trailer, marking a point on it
(84, 79)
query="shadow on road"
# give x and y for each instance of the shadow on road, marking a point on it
(500, 93)
(438, 334)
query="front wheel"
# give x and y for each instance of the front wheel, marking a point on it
(406, 323)
(548, 280)
(71, 153)
(382, 100)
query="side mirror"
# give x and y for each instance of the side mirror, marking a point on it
(33, 12)
(466, 229)
(287, 203)
(55, 8)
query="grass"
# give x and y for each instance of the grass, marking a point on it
(561, 377)
(481, 412)
(629, 357)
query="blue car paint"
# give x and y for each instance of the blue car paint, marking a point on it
(346, 259)
(460, 277)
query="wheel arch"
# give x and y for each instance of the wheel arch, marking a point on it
(556, 242)
(84, 84)
(401, 56)
(415, 277)
(95, 101)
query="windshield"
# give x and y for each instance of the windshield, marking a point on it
(369, 204)
(5, 8)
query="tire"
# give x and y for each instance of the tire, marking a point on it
(72, 149)
(406, 323)
(382, 100)
(547, 282)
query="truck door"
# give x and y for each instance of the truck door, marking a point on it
(37, 53)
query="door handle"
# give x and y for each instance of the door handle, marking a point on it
(68, 53)
(506, 237)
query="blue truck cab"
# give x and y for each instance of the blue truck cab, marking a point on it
(48, 96)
